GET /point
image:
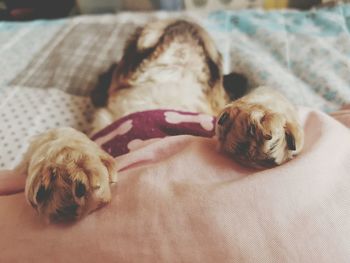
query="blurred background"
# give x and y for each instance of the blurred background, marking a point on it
(32, 9)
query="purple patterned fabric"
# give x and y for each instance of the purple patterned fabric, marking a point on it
(140, 128)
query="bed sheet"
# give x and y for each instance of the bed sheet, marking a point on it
(179, 200)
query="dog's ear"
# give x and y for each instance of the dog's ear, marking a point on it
(235, 85)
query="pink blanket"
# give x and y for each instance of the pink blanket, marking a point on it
(179, 200)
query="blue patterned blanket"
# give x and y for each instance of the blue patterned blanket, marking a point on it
(306, 55)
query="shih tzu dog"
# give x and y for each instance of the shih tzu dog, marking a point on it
(167, 64)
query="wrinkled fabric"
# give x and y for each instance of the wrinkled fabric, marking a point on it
(179, 200)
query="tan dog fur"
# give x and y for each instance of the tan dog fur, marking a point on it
(259, 128)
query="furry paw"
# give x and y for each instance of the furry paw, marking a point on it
(151, 33)
(68, 175)
(257, 136)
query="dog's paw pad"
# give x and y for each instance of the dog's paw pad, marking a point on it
(255, 136)
(68, 176)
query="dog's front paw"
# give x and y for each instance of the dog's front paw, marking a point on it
(68, 175)
(256, 136)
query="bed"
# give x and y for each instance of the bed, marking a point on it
(178, 199)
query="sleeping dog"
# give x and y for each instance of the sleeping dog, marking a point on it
(168, 64)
